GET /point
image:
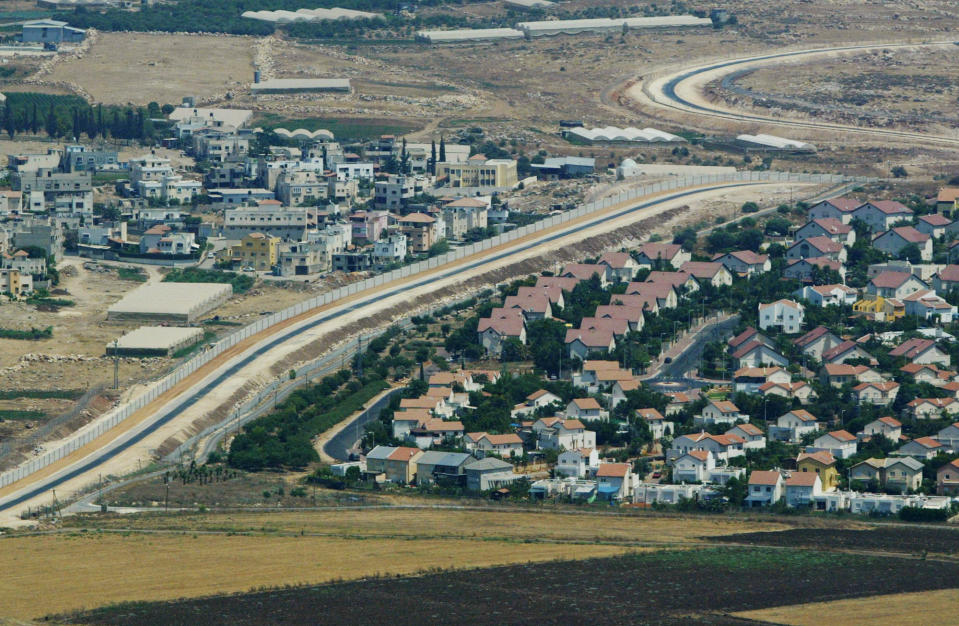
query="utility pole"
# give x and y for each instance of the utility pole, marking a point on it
(116, 364)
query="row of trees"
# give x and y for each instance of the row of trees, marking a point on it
(71, 116)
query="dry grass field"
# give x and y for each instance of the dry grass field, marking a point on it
(45, 574)
(139, 68)
(926, 607)
(459, 524)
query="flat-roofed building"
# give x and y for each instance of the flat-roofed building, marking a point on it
(148, 341)
(172, 302)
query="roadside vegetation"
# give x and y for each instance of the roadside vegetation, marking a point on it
(241, 282)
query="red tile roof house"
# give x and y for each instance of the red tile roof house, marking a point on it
(665, 294)
(803, 269)
(928, 306)
(648, 303)
(800, 390)
(928, 373)
(585, 408)
(888, 427)
(815, 247)
(793, 426)
(827, 295)
(817, 341)
(670, 253)
(765, 488)
(933, 408)
(936, 225)
(566, 284)
(744, 262)
(715, 273)
(801, 488)
(894, 240)
(923, 448)
(836, 208)
(876, 393)
(618, 327)
(633, 315)
(534, 307)
(622, 266)
(584, 343)
(506, 446)
(614, 481)
(554, 294)
(921, 351)
(882, 214)
(493, 333)
(720, 412)
(894, 284)
(947, 479)
(586, 271)
(752, 436)
(723, 447)
(946, 279)
(845, 351)
(756, 354)
(683, 280)
(828, 227)
(750, 334)
(839, 374)
(841, 443)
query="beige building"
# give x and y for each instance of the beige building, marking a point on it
(420, 231)
(479, 171)
(256, 250)
(15, 283)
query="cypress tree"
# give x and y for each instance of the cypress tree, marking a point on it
(432, 167)
(442, 149)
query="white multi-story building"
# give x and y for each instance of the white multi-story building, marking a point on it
(354, 171)
(786, 314)
(390, 249)
(287, 223)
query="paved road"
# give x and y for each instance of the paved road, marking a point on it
(676, 371)
(664, 93)
(352, 310)
(339, 445)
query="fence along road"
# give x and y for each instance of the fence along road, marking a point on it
(166, 400)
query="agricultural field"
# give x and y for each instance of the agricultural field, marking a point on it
(935, 607)
(635, 588)
(944, 541)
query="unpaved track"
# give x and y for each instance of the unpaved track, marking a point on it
(682, 91)
(216, 382)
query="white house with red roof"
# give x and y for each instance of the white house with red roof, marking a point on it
(816, 247)
(679, 280)
(839, 374)
(841, 443)
(921, 351)
(897, 285)
(553, 294)
(793, 426)
(888, 427)
(946, 279)
(936, 225)
(585, 271)
(720, 412)
(483, 444)
(756, 354)
(493, 333)
(583, 343)
(659, 426)
(876, 393)
(578, 462)
(846, 351)
(693, 467)
(765, 488)
(622, 266)
(753, 437)
(723, 447)
(564, 284)
(828, 295)
(817, 341)
(619, 327)
(633, 315)
(537, 399)
(750, 379)
(586, 408)
(744, 262)
(804, 269)
(614, 481)
(664, 293)
(894, 240)
(559, 434)
(786, 315)
(923, 448)
(949, 436)
(801, 488)
(835, 208)
(715, 273)
(829, 227)
(882, 215)
(933, 408)
(533, 306)
(929, 306)
(800, 390)
(670, 253)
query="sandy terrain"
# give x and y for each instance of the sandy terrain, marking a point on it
(928, 607)
(159, 68)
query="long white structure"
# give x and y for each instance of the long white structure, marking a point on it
(774, 142)
(176, 302)
(605, 24)
(308, 15)
(304, 134)
(467, 34)
(612, 133)
(155, 340)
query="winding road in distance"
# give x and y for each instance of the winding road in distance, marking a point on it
(682, 91)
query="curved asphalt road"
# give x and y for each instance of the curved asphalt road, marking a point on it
(115, 448)
(669, 98)
(340, 444)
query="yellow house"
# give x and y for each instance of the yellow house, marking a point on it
(822, 463)
(879, 308)
(479, 171)
(257, 250)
